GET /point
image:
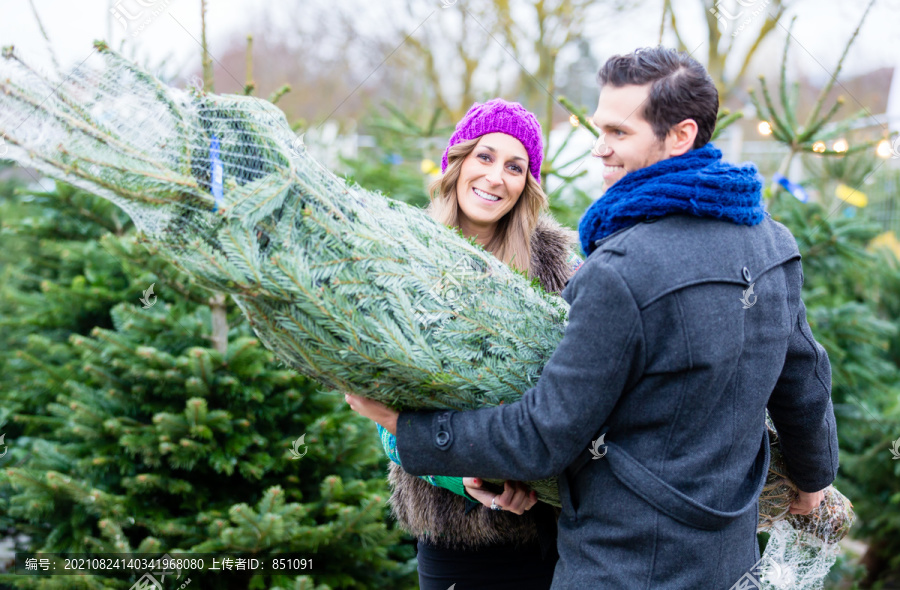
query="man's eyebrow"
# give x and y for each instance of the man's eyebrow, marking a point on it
(621, 125)
(492, 150)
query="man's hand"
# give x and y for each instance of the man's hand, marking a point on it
(806, 502)
(374, 411)
(516, 497)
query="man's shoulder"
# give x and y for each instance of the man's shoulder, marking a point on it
(679, 250)
(692, 232)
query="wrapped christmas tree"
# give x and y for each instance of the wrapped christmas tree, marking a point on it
(359, 292)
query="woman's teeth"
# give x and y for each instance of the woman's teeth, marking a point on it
(485, 196)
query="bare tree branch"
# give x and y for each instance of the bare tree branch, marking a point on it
(770, 23)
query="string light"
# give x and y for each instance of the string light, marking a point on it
(764, 128)
(818, 147)
(840, 145)
(883, 149)
(573, 120)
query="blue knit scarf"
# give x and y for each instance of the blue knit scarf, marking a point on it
(696, 183)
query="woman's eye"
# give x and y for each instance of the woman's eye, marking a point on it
(484, 157)
(515, 168)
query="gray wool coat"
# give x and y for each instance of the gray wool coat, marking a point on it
(673, 358)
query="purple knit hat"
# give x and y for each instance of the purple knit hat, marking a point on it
(497, 115)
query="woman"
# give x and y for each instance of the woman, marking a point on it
(490, 190)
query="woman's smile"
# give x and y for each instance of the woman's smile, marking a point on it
(485, 195)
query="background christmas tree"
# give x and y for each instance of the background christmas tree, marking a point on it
(852, 293)
(129, 430)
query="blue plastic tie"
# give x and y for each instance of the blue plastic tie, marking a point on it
(216, 172)
(792, 187)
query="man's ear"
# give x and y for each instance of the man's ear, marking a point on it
(681, 136)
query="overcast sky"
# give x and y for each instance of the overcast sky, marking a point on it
(820, 33)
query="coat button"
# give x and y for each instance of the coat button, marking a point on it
(442, 438)
(746, 272)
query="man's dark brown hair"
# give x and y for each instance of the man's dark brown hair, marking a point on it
(680, 88)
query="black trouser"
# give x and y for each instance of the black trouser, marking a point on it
(496, 567)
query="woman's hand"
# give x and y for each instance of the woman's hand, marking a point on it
(516, 497)
(806, 502)
(374, 411)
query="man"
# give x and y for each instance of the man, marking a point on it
(685, 324)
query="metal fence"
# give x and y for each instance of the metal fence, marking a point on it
(884, 197)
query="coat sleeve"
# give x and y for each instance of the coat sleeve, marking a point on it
(801, 409)
(454, 484)
(541, 434)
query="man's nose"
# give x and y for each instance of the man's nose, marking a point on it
(600, 149)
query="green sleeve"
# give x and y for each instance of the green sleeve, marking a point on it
(454, 484)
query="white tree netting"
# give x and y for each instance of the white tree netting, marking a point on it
(801, 549)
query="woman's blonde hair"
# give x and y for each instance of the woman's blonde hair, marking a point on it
(511, 242)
